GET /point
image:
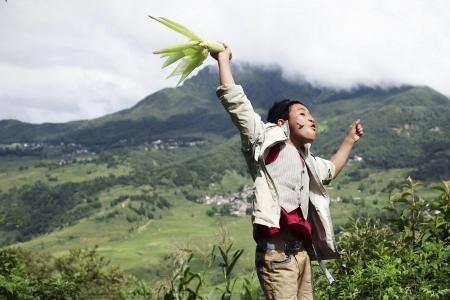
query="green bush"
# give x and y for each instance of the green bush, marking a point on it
(406, 258)
(82, 274)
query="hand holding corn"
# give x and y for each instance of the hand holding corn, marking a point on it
(223, 58)
(224, 55)
(192, 53)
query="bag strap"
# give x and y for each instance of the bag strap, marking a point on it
(323, 267)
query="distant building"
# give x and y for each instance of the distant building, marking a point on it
(357, 158)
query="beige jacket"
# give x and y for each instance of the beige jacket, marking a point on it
(257, 137)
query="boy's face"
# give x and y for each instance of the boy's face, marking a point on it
(302, 125)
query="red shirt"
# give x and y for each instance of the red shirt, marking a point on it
(293, 220)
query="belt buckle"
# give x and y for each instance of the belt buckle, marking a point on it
(293, 246)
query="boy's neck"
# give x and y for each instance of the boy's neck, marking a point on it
(300, 146)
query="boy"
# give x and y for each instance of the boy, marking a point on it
(291, 218)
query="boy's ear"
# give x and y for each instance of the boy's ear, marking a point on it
(280, 122)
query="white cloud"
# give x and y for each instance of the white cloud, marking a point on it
(63, 60)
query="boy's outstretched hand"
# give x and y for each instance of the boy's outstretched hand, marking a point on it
(355, 131)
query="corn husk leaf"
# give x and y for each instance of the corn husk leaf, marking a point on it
(193, 63)
(178, 28)
(192, 53)
(179, 68)
(174, 57)
(179, 47)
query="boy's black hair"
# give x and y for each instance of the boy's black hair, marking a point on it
(280, 110)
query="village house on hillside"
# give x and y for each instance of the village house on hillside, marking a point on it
(240, 202)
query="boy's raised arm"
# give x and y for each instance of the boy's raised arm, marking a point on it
(224, 58)
(354, 133)
(236, 102)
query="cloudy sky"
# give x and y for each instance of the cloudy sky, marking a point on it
(64, 60)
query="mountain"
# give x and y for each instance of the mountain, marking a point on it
(406, 126)
(190, 110)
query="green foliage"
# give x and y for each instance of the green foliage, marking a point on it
(251, 289)
(438, 220)
(141, 291)
(92, 274)
(200, 171)
(38, 208)
(406, 258)
(416, 217)
(82, 274)
(222, 210)
(228, 261)
(358, 174)
(183, 284)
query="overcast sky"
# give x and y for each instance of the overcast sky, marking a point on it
(64, 60)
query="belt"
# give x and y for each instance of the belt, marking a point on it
(289, 247)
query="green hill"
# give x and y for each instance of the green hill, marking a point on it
(406, 126)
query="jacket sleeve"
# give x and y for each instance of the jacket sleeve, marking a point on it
(326, 170)
(241, 112)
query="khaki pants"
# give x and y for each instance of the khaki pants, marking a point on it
(284, 276)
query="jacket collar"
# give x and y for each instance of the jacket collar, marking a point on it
(275, 134)
(306, 150)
